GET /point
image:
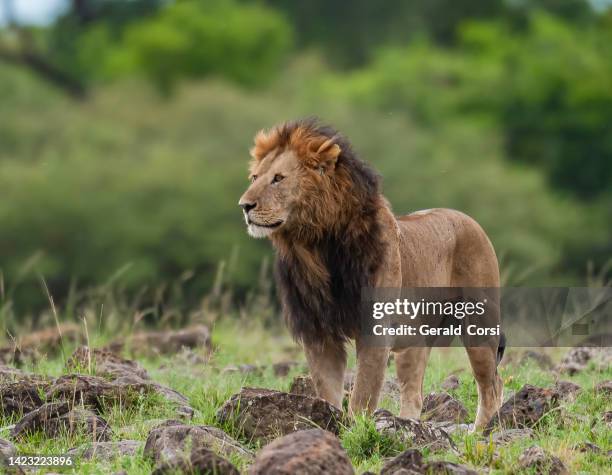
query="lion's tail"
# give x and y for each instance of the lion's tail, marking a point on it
(501, 348)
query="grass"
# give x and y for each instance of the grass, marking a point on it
(248, 342)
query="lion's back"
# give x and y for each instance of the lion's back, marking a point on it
(445, 247)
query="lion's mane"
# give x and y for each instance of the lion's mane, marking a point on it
(333, 247)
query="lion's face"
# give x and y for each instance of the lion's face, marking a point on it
(269, 200)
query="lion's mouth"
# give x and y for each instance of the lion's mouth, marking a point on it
(269, 226)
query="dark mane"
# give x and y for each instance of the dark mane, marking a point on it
(320, 277)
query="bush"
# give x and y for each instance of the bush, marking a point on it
(547, 88)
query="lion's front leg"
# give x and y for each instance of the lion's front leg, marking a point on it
(371, 367)
(327, 363)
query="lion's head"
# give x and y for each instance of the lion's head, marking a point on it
(304, 180)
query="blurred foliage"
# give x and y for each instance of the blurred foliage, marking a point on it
(502, 109)
(547, 88)
(185, 39)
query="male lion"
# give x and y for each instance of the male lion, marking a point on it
(334, 235)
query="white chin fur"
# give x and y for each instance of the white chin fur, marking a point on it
(259, 232)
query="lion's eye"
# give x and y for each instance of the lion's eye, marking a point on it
(253, 178)
(277, 178)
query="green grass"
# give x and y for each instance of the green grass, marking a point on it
(237, 342)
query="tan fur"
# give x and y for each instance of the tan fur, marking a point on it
(432, 248)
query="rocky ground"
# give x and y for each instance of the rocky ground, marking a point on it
(241, 401)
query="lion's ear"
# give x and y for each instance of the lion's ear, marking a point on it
(327, 155)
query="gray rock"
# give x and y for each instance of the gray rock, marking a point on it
(450, 383)
(303, 385)
(541, 359)
(172, 441)
(166, 342)
(264, 414)
(540, 462)
(19, 397)
(604, 388)
(578, 359)
(442, 407)
(410, 460)
(200, 460)
(106, 450)
(8, 450)
(103, 363)
(54, 419)
(524, 408)
(413, 433)
(567, 390)
(507, 436)
(307, 452)
(441, 467)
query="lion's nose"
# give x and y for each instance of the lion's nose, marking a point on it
(247, 206)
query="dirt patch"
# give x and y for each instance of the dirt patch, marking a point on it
(307, 452)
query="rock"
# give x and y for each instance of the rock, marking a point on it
(538, 461)
(9, 374)
(410, 460)
(103, 362)
(586, 447)
(507, 436)
(441, 467)
(181, 403)
(12, 354)
(450, 427)
(577, 359)
(541, 359)
(18, 398)
(607, 418)
(307, 452)
(412, 432)
(167, 342)
(171, 441)
(92, 391)
(57, 418)
(524, 408)
(441, 407)
(567, 390)
(303, 385)
(243, 369)
(605, 388)
(200, 460)
(50, 339)
(106, 450)
(283, 368)
(126, 390)
(450, 383)
(263, 414)
(8, 450)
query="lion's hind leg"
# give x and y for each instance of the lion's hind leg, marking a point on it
(411, 364)
(490, 385)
